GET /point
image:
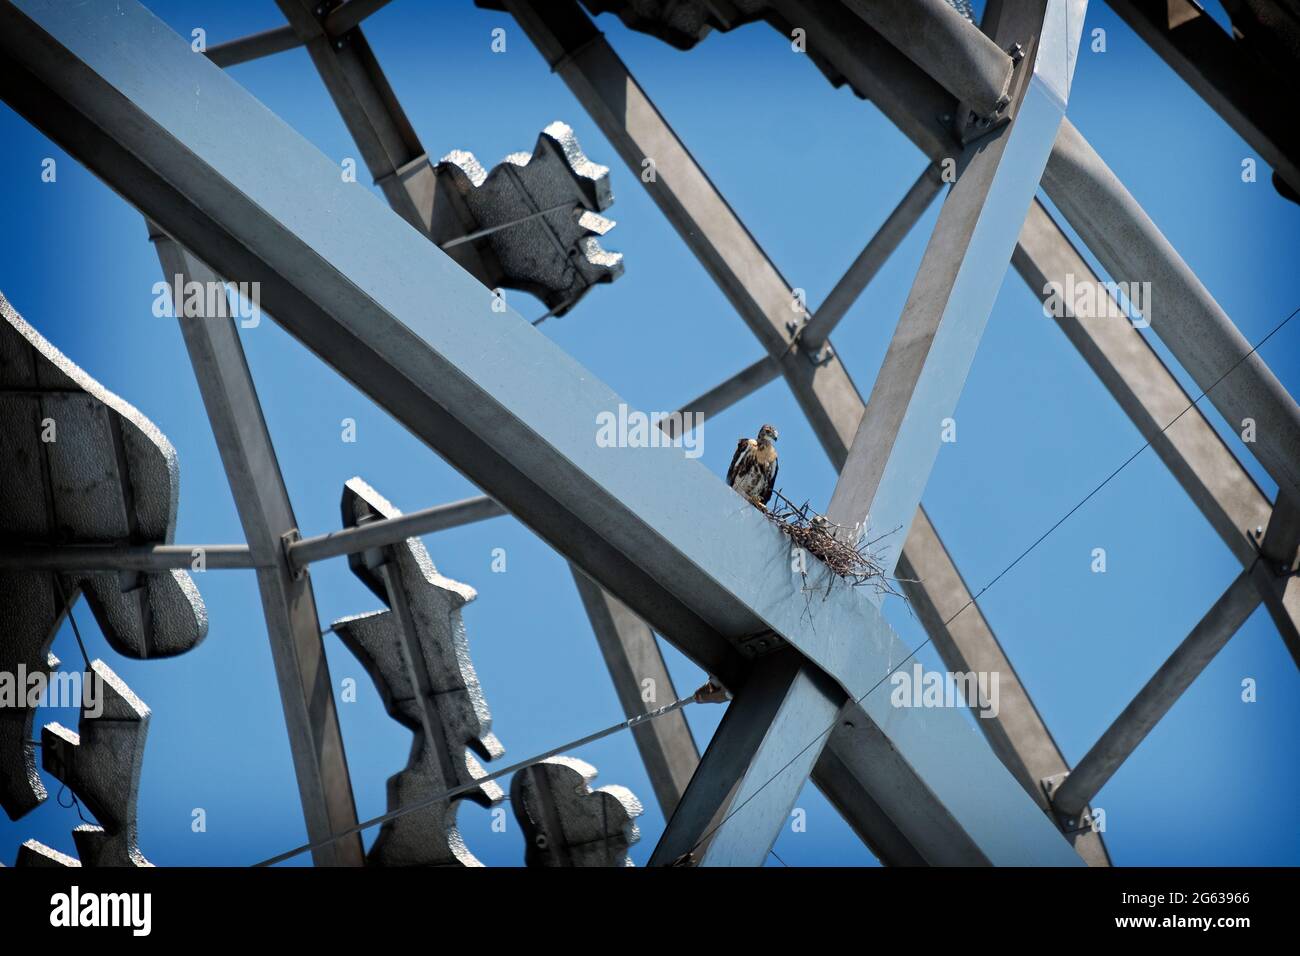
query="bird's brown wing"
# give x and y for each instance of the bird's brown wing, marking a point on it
(741, 448)
(770, 485)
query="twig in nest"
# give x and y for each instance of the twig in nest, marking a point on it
(834, 546)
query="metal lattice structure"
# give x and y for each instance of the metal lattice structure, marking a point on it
(414, 318)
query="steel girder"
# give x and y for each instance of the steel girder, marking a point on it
(705, 572)
(826, 394)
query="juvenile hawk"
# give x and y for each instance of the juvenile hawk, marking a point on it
(753, 468)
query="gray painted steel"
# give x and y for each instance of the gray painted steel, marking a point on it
(1200, 335)
(632, 655)
(934, 344)
(263, 227)
(1215, 65)
(860, 756)
(870, 260)
(262, 501)
(947, 46)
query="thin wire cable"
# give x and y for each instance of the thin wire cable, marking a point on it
(72, 619)
(479, 781)
(1000, 574)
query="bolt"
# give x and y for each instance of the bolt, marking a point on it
(1017, 53)
(1003, 102)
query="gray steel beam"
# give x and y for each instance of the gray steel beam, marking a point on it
(453, 514)
(378, 534)
(632, 655)
(161, 557)
(825, 392)
(754, 767)
(1181, 310)
(1019, 735)
(350, 13)
(946, 46)
(870, 260)
(1120, 356)
(395, 316)
(1164, 413)
(1233, 82)
(370, 110)
(934, 344)
(1155, 699)
(302, 672)
(254, 47)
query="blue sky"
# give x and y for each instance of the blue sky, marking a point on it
(812, 171)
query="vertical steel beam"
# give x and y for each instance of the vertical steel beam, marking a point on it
(957, 282)
(632, 655)
(306, 692)
(1155, 699)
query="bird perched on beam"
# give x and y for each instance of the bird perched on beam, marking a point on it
(753, 468)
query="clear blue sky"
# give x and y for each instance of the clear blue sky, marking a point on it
(812, 171)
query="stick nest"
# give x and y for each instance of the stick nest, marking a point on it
(856, 561)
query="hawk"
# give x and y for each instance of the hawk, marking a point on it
(753, 468)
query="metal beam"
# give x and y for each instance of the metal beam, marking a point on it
(632, 655)
(395, 316)
(1163, 413)
(956, 284)
(302, 672)
(370, 110)
(163, 557)
(350, 13)
(1235, 84)
(1155, 699)
(754, 767)
(1181, 310)
(254, 47)
(946, 46)
(870, 260)
(905, 824)
(378, 534)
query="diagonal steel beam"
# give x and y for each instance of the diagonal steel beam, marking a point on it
(958, 279)
(825, 392)
(947, 46)
(262, 501)
(632, 655)
(1155, 699)
(870, 260)
(1164, 414)
(1181, 310)
(500, 401)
